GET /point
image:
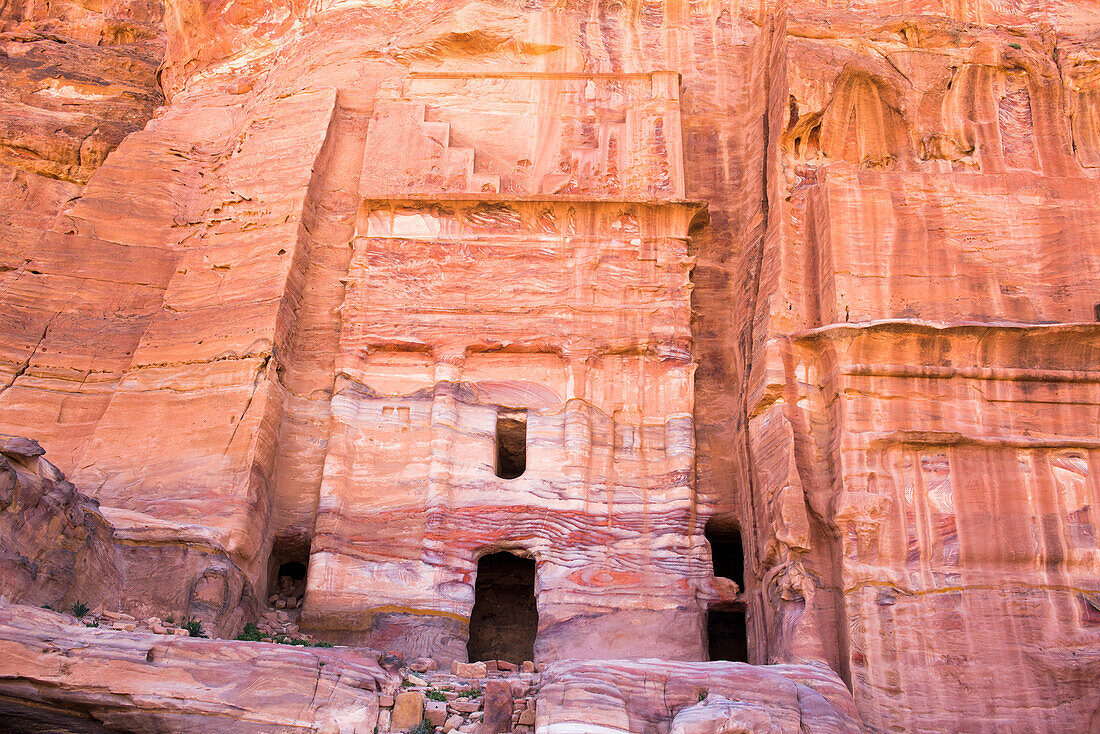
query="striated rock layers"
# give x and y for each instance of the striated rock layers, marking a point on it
(91, 680)
(756, 332)
(59, 549)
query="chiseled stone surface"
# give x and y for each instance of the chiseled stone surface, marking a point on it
(826, 273)
(408, 710)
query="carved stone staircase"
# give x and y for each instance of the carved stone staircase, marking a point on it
(451, 168)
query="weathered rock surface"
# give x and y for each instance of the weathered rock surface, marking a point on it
(692, 698)
(146, 683)
(75, 79)
(820, 276)
(59, 549)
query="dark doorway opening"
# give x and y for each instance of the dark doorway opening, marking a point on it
(727, 635)
(288, 566)
(505, 618)
(511, 443)
(727, 551)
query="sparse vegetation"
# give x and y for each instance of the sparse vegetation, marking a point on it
(472, 692)
(91, 624)
(194, 627)
(252, 633)
(424, 727)
(170, 620)
(703, 695)
(47, 606)
(1015, 46)
(80, 609)
(436, 696)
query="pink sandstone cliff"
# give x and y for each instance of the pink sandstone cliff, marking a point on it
(765, 334)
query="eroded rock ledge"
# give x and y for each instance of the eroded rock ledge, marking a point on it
(127, 681)
(59, 548)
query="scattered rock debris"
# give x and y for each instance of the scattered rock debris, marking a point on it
(481, 697)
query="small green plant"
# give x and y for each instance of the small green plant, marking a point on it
(472, 692)
(436, 696)
(194, 627)
(80, 609)
(91, 624)
(703, 695)
(1015, 46)
(252, 633)
(170, 620)
(424, 727)
(47, 606)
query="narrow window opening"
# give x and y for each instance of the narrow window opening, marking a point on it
(727, 635)
(289, 566)
(727, 551)
(505, 617)
(511, 443)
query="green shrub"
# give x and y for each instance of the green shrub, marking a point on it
(170, 620)
(424, 727)
(472, 692)
(80, 609)
(436, 696)
(47, 606)
(194, 627)
(252, 633)
(1015, 46)
(91, 624)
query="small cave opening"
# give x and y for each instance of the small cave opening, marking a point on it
(505, 617)
(727, 635)
(1096, 311)
(296, 570)
(511, 443)
(288, 569)
(726, 550)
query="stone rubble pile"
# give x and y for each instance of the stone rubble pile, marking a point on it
(288, 593)
(123, 622)
(286, 602)
(490, 697)
(279, 623)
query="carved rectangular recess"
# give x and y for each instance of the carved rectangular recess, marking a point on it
(600, 136)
